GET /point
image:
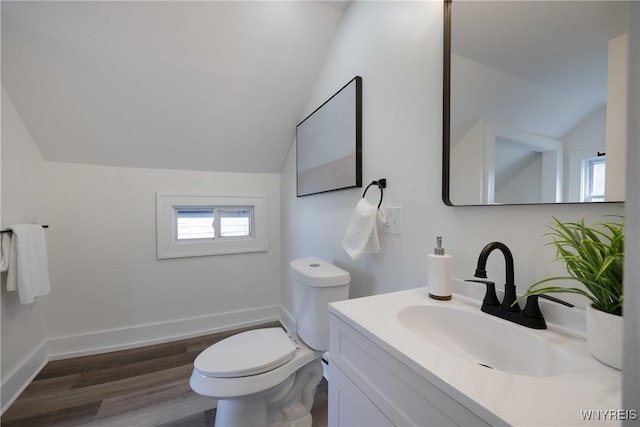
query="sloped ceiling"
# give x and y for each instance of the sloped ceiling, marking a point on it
(207, 85)
(559, 46)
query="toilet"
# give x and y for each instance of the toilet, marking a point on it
(268, 377)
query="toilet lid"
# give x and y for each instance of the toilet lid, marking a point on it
(247, 353)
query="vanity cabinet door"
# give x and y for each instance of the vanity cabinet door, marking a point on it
(371, 380)
(348, 406)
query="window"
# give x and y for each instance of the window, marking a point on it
(213, 223)
(234, 222)
(194, 223)
(198, 225)
(593, 175)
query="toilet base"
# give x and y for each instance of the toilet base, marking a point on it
(305, 421)
(285, 405)
(233, 413)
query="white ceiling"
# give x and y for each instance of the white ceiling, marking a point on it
(561, 45)
(207, 85)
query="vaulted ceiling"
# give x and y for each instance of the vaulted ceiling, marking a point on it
(560, 47)
(203, 85)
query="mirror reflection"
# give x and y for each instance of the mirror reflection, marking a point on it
(537, 101)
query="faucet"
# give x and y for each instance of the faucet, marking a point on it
(509, 286)
(531, 316)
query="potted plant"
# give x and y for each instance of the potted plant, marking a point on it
(594, 256)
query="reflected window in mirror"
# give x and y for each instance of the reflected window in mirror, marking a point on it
(532, 89)
(594, 172)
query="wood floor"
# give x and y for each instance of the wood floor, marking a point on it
(147, 386)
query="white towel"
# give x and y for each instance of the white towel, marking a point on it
(5, 247)
(28, 265)
(362, 235)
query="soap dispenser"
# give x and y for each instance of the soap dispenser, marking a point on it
(439, 273)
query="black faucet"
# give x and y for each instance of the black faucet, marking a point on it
(509, 286)
(531, 316)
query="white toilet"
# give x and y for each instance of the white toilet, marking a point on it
(268, 377)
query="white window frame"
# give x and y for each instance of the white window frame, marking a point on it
(214, 225)
(586, 192)
(168, 246)
(576, 176)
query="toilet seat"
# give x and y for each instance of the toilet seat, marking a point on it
(248, 353)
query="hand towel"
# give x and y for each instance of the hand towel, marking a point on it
(362, 236)
(28, 264)
(5, 247)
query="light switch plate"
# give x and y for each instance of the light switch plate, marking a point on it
(394, 220)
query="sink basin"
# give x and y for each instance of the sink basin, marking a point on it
(489, 342)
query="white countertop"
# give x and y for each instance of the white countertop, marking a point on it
(497, 397)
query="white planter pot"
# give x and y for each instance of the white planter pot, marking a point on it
(604, 336)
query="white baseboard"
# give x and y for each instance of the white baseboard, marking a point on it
(16, 381)
(121, 339)
(156, 333)
(287, 320)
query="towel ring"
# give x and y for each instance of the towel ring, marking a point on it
(8, 230)
(381, 183)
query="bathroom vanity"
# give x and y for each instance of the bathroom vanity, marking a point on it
(404, 359)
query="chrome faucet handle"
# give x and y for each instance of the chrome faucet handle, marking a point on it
(490, 298)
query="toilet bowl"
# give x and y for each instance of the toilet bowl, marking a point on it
(268, 377)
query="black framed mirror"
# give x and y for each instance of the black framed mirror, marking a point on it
(534, 101)
(329, 144)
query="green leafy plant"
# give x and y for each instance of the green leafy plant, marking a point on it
(594, 256)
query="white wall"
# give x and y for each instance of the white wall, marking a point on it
(109, 288)
(525, 187)
(397, 49)
(497, 98)
(617, 92)
(23, 326)
(468, 161)
(584, 141)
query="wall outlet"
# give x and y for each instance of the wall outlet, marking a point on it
(394, 220)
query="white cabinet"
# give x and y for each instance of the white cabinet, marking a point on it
(350, 406)
(369, 387)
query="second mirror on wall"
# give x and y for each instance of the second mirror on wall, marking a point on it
(535, 101)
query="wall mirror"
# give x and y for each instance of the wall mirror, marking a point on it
(534, 101)
(329, 143)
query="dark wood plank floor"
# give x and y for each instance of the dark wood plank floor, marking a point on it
(147, 386)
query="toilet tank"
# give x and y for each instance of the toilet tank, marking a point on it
(315, 284)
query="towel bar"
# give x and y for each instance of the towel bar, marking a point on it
(9, 230)
(381, 183)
